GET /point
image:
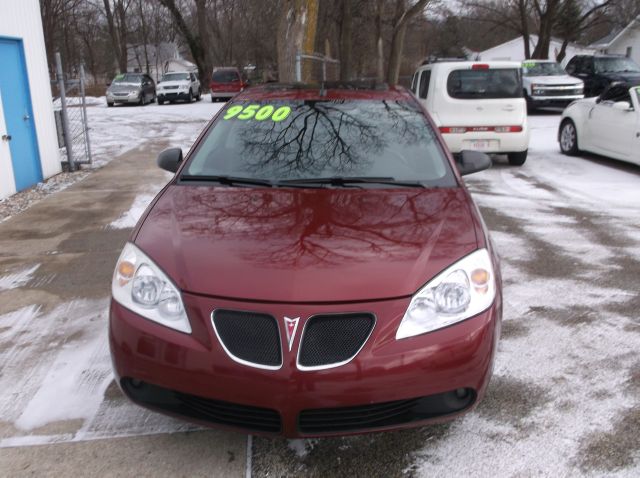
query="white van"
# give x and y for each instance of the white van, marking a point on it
(476, 105)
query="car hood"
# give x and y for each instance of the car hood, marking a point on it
(180, 84)
(554, 80)
(124, 88)
(306, 245)
(622, 76)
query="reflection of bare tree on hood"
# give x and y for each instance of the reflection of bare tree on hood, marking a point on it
(323, 138)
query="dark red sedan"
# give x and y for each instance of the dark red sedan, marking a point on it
(315, 267)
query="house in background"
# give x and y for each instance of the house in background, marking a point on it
(157, 59)
(624, 42)
(28, 139)
(513, 50)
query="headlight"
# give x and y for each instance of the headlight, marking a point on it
(134, 93)
(459, 292)
(140, 286)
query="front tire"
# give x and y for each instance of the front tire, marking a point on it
(517, 159)
(109, 105)
(568, 138)
(199, 95)
(190, 97)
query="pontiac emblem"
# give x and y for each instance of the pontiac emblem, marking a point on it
(291, 327)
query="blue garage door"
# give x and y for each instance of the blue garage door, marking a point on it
(18, 115)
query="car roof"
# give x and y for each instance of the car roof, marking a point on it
(467, 64)
(600, 55)
(327, 90)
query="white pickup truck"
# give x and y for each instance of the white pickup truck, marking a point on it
(547, 84)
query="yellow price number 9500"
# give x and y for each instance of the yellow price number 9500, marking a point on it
(257, 112)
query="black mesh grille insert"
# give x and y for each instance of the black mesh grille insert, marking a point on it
(249, 336)
(203, 409)
(379, 415)
(331, 339)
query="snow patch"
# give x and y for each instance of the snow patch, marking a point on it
(129, 218)
(17, 279)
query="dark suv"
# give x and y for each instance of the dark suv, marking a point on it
(599, 71)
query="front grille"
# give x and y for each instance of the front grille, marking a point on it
(203, 409)
(331, 340)
(170, 87)
(380, 415)
(559, 92)
(249, 337)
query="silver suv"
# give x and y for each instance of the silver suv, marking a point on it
(179, 85)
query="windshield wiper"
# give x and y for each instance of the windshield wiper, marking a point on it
(226, 180)
(346, 181)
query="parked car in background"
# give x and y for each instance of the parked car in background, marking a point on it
(477, 105)
(547, 84)
(182, 85)
(599, 71)
(226, 82)
(608, 125)
(136, 88)
(336, 284)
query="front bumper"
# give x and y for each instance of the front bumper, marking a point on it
(123, 99)
(554, 100)
(152, 362)
(173, 95)
(223, 94)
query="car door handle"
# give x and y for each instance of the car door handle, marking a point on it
(26, 117)
(508, 108)
(6, 137)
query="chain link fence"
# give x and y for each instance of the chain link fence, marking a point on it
(315, 68)
(71, 117)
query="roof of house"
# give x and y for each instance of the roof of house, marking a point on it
(614, 35)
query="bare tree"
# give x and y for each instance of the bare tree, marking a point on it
(116, 12)
(196, 41)
(404, 14)
(296, 33)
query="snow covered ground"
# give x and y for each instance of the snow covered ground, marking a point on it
(565, 397)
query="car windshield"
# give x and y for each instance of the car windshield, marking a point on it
(175, 77)
(224, 76)
(127, 79)
(485, 83)
(304, 140)
(617, 65)
(532, 68)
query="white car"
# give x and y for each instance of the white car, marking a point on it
(547, 84)
(178, 85)
(476, 105)
(608, 125)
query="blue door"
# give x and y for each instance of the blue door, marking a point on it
(18, 115)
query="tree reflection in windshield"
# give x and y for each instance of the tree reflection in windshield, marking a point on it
(326, 138)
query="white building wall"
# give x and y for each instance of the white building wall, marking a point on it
(21, 19)
(513, 50)
(630, 38)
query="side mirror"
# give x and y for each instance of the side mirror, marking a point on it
(170, 159)
(622, 105)
(472, 161)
